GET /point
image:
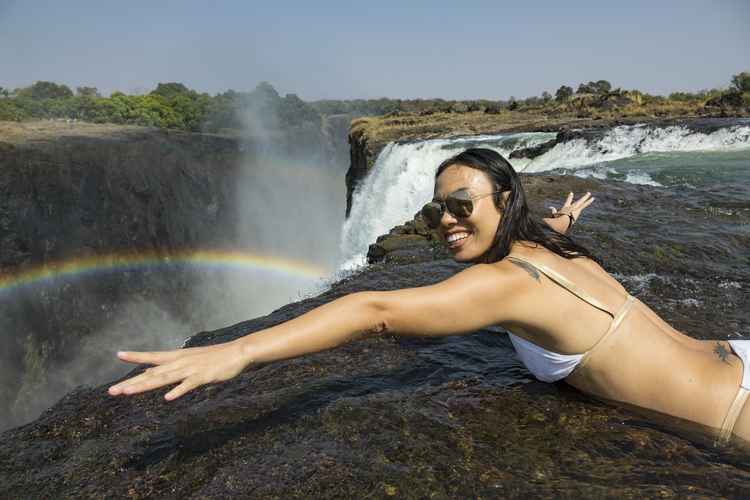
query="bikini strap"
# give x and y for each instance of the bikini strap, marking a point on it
(567, 284)
(612, 328)
(725, 434)
(576, 290)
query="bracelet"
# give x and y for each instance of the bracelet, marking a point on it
(572, 219)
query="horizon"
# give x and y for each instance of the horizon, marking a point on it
(333, 52)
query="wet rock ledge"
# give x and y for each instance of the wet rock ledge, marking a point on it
(417, 417)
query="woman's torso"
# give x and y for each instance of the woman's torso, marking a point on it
(644, 362)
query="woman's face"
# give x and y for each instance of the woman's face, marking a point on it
(474, 234)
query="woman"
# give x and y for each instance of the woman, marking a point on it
(590, 332)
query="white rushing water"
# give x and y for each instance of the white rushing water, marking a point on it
(627, 141)
(401, 180)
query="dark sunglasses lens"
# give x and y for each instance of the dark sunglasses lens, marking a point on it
(432, 213)
(460, 207)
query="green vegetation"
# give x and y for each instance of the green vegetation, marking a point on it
(741, 82)
(170, 105)
(563, 93)
(173, 105)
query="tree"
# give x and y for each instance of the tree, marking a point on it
(602, 86)
(265, 91)
(46, 90)
(87, 92)
(546, 96)
(741, 82)
(292, 111)
(563, 93)
(170, 90)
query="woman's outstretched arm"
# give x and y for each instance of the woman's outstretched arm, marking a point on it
(474, 298)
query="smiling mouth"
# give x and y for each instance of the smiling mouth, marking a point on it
(458, 242)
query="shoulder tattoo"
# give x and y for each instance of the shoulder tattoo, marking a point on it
(527, 267)
(722, 352)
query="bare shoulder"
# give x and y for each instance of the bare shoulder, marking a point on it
(497, 279)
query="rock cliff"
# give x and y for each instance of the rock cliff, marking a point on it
(68, 193)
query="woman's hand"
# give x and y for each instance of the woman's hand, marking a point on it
(191, 367)
(574, 209)
(564, 218)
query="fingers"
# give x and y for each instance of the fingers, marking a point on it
(198, 366)
(187, 385)
(583, 199)
(152, 358)
(581, 203)
(587, 202)
(147, 381)
(569, 199)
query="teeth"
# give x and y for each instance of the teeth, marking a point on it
(457, 236)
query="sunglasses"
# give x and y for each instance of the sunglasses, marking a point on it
(459, 204)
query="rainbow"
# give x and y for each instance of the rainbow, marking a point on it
(79, 266)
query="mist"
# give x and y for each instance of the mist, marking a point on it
(289, 202)
(140, 325)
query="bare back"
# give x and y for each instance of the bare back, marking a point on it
(644, 362)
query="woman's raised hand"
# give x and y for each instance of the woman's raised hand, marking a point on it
(191, 368)
(573, 208)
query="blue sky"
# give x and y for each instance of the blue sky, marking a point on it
(342, 50)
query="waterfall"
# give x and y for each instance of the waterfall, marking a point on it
(402, 179)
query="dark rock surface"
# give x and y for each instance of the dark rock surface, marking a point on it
(453, 417)
(726, 100)
(362, 156)
(534, 151)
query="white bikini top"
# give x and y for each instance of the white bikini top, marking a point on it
(547, 366)
(742, 349)
(550, 366)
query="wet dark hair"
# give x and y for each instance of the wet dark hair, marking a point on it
(516, 223)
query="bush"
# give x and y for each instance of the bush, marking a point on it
(563, 93)
(741, 82)
(9, 111)
(45, 90)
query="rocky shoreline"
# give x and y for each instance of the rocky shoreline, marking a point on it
(409, 417)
